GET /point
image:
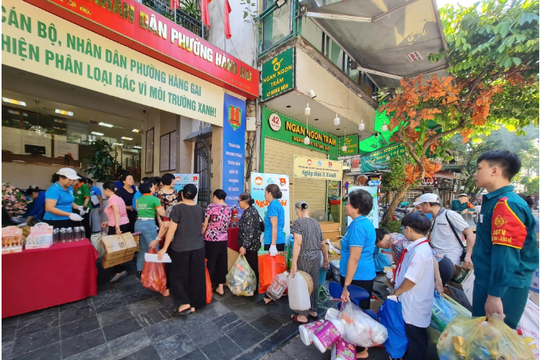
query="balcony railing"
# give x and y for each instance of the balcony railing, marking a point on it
(191, 22)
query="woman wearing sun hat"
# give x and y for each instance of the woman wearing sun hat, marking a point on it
(59, 200)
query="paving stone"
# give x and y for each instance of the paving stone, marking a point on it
(121, 328)
(50, 352)
(250, 312)
(228, 322)
(148, 353)
(175, 347)
(267, 325)
(108, 304)
(7, 346)
(138, 296)
(245, 336)
(222, 348)
(100, 352)
(113, 316)
(79, 327)
(8, 331)
(128, 344)
(193, 320)
(35, 341)
(194, 355)
(144, 306)
(235, 302)
(215, 310)
(164, 329)
(82, 342)
(152, 317)
(75, 313)
(204, 333)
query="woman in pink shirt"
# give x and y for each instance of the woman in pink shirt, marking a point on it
(218, 218)
(118, 219)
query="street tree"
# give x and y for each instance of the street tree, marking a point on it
(493, 79)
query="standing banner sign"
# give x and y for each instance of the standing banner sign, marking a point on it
(374, 214)
(181, 180)
(234, 148)
(259, 182)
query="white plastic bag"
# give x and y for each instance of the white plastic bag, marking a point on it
(360, 328)
(528, 327)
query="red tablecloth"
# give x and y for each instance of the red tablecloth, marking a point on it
(41, 278)
(232, 241)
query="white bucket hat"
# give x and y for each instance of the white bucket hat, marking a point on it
(69, 173)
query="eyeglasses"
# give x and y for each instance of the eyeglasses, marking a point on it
(402, 228)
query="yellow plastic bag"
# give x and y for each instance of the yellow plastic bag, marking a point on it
(478, 338)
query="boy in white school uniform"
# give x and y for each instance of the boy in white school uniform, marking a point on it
(415, 284)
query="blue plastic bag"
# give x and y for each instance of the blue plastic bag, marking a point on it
(443, 313)
(391, 317)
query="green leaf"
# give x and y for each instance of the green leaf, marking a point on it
(517, 61)
(245, 14)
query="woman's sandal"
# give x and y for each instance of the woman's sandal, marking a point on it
(314, 317)
(295, 319)
(182, 313)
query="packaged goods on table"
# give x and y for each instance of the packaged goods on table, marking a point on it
(479, 339)
(11, 239)
(41, 236)
(242, 279)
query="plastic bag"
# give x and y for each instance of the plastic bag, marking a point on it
(433, 330)
(391, 317)
(442, 313)
(241, 279)
(208, 284)
(528, 326)
(360, 328)
(153, 275)
(478, 338)
(270, 267)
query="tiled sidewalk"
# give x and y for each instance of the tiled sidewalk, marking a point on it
(127, 321)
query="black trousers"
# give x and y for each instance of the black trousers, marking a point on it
(418, 342)
(446, 270)
(112, 231)
(216, 253)
(86, 224)
(366, 285)
(252, 258)
(188, 278)
(279, 247)
(132, 216)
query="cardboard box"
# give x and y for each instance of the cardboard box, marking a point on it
(115, 250)
(329, 226)
(375, 305)
(463, 292)
(332, 235)
(131, 246)
(334, 257)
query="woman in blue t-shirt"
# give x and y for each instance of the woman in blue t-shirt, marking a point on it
(357, 246)
(59, 200)
(274, 221)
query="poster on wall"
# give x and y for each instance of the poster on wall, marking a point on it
(313, 168)
(374, 214)
(259, 182)
(234, 149)
(164, 152)
(181, 180)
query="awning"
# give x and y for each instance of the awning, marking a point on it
(392, 37)
(204, 133)
(444, 175)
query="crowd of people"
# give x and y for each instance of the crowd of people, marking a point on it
(504, 249)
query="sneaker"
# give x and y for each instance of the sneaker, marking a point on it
(118, 276)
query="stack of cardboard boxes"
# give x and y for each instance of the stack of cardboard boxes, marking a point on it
(119, 249)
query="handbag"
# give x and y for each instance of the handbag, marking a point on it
(464, 253)
(261, 223)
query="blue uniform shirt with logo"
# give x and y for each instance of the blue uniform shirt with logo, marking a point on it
(275, 209)
(64, 198)
(505, 254)
(95, 191)
(39, 206)
(361, 233)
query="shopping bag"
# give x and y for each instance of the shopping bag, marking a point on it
(270, 267)
(442, 313)
(208, 284)
(528, 327)
(241, 279)
(153, 275)
(391, 318)
(360, 328)
(481, 338)
(433, 331)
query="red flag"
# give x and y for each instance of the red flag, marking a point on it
(227, 22)
(205, 16)
(174, 4)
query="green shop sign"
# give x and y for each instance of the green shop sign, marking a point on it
(280, 127)
(278, 75)
(352, 145)
(379, 160)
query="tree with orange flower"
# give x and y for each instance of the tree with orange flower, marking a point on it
(493, 79)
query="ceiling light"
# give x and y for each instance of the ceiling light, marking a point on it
(118, 144)
(307, 110)
(126, 138)
(14, 102)
(106, 125)
(13, 112)
(306, 141)
(361, 126)
(59, 121)
(97, 133)
(136, 130)
(137, 147)
(63, 112)
(337, 121)
(384, 127)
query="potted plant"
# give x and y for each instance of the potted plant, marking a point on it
(102, 163)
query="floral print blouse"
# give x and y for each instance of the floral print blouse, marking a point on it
(399, 242)
(168, 200)
(249, 232)
(219, 220)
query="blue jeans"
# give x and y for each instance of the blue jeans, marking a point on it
(149, 231)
